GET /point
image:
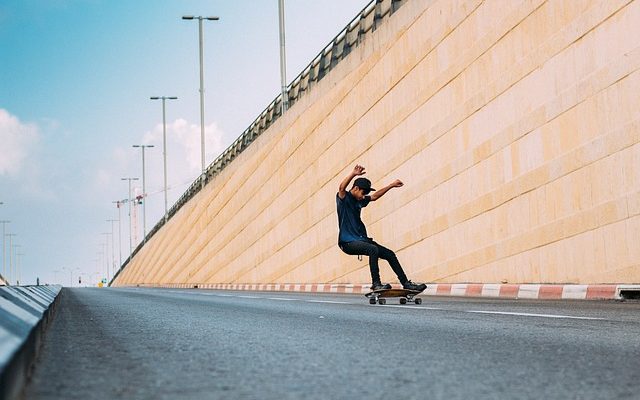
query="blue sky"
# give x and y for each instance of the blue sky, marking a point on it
(75, 82)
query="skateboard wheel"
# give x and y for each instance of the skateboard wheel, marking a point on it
(418, 301)
(403, 300)
(382, 302)
(372, 301)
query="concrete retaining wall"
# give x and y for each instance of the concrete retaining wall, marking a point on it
(25, 312)
(515, 126)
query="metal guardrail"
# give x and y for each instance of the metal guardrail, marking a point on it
(25, 313)
(367, 21)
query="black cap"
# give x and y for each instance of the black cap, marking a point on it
(364, 184)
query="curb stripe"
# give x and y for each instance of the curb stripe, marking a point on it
(510, 291)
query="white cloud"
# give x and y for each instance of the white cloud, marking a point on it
(183, 163)
(183, 139)
(183, 167)
(183, 148)
(16, 143)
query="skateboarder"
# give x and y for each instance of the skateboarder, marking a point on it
(353, 238)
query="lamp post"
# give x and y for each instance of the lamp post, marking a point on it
(283, 59)
(4, 247)
(129, 200)
(71, 274)
(113, 247)
(118, 204)
(106, 252)
(15, 264)
(19, 265)
(93, 275)
(10, 236)
(164, 147)
(200, 19)
(97, 266)
(144, 191)
(100, 255)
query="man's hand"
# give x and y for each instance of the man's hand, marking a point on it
(358, 170)
(379, 193)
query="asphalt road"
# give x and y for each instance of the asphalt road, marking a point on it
(203, 344)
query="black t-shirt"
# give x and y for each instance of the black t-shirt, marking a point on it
(351, 226)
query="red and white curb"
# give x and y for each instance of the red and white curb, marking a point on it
(506, 291)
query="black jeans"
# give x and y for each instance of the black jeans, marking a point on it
(375, 251)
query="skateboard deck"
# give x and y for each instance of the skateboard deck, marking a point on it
(405, 295)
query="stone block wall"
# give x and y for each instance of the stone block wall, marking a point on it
(514, 124)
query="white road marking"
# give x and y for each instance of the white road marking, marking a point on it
(410, 307)
(532, 315)
(327, 301)
(281, 298)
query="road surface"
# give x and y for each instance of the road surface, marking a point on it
(201, 344)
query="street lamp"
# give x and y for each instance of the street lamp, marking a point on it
(97, 266)
(129, 200)
(106, 250)
(15, 264)
(71, 280)
(118, 203)
(93, 275)
(80, 274)
(283, 59)
(200, 19)
(4, 248)
(113, 247)
(164, 148)
(100, 255)
(10, 235)
(71, 274)
(144, 191)
(19, 265)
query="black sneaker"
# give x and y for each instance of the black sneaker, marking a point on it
(380, 286)
(414, 286)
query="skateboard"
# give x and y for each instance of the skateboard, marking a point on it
(406, 296)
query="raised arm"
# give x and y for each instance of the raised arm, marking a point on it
(380, 192)
(357, 171)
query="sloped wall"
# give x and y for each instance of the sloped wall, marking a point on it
(515, 126)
